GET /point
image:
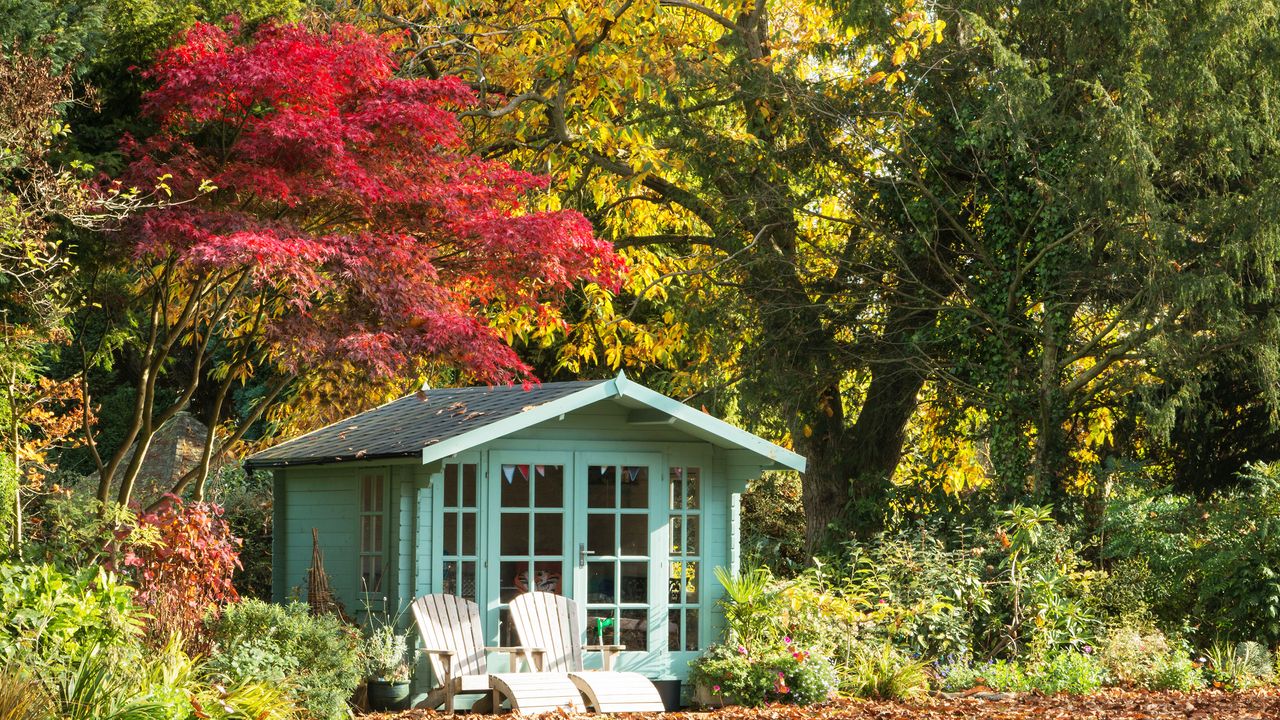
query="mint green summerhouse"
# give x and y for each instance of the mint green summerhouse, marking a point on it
(605, 491)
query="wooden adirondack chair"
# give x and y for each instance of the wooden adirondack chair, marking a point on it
(453, 642)
(550, 622)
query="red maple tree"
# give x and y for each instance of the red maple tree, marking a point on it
(347, 225)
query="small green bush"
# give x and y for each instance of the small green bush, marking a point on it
(1142, 657)
(884, 673)
(1240, 667)
(1068, 672)
(50, 619)
(957, 676)
(258, 641)
(785, 674)
(1074, 673)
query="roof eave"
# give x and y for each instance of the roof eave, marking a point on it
(534, 415)
(251, 464)
(779, 457)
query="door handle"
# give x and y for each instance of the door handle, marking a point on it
(583, 552)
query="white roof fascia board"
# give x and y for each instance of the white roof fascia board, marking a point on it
(506, 426)
(780, 456)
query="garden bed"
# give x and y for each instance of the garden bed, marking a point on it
(1109, 705)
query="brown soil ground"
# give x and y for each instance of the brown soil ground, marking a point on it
(1109, 705)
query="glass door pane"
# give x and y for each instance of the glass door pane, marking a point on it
(531, 530)
(616, 554)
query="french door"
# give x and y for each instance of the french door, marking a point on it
(590, 526)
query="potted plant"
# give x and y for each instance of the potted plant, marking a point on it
(386, 669)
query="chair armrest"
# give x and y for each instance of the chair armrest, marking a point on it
(531, 654)
(608, 651)
(518, 648)
(445, 653)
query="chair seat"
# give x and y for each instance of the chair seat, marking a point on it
(464, 684)
(614, 692)
(537, 692)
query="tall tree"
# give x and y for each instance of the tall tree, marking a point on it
(1108, 171)
(716, 137)
(336, 220)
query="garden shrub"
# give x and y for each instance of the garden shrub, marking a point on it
(1239, 667)
(1075, 673)
(784, 674)
(1213, 564)
(317, 655)
(50, 619)
(759, 661)
(183, 568)
(246, 500)
(1139, 655)
(884, 673)
(1065, 671)
(928, 596)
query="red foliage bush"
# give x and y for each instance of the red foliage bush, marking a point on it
(182, 557)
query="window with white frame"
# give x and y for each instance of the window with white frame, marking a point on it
(372, 530)
(685, 515)
(459, 555)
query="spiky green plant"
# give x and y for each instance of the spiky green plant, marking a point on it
(21, 697)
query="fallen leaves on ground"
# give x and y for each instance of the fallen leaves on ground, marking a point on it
(1110, 705)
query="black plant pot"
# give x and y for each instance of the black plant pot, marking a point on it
(387, 695)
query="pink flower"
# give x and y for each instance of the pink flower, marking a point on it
(787, 640)
(742, 649)
(780, 686)
(715, 688)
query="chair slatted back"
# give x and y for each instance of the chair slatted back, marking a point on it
(448, 622)
(548, 621)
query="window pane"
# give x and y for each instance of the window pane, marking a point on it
(366, 494)
(691, 535)
(469, 533)
(515, 486)
(548, 483)
(691, 582)
(468, 583)
(515, 534)
(633, 629)
(691, 630)
(507, 629)
(450, 485)
(547, 534)
(547, 575)
(600, 538)
(514, 578)
(449, 583)
(371, 573)
(602, 627)
(469, 485)
(677, 487)
(450, 532)
(377, 494)
(635, 582)
(601, 481)
(600, 583)
(634, 487)
(634, 534)
(692, 488)
(677, 535)
(673, 629)
(675, 583)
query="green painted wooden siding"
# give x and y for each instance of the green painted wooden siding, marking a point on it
(325, 498)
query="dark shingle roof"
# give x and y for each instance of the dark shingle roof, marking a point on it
(401, 428)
